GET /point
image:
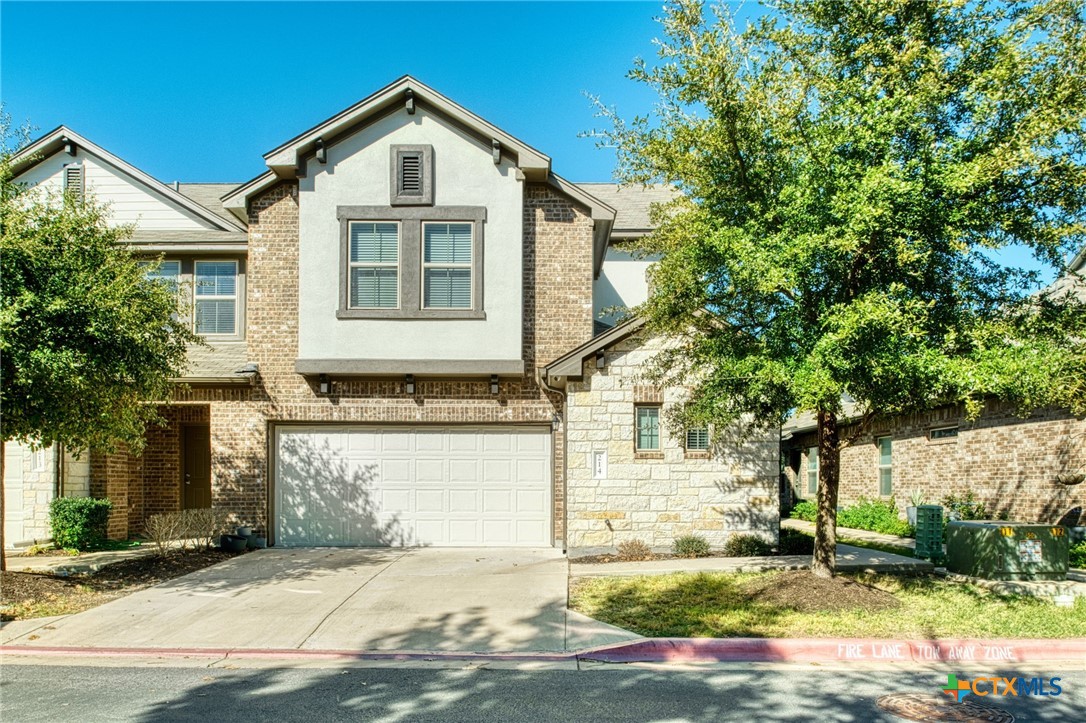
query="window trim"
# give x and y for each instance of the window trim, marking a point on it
(659, 448)
(366, 264)
(410, 282)
(879, 466)
(236, 334)
(426, 168)
(424, 265)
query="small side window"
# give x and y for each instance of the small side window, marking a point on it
(812, 470)
(697, 439)
(943, 433)
(886, 466)
(647, 433)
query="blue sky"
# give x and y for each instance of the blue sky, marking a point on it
(198, 91)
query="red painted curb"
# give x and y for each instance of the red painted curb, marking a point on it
(805, 650)
(659, 650)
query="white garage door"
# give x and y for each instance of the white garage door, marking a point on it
(398, 486)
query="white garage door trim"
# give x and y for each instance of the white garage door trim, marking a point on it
(448, 486)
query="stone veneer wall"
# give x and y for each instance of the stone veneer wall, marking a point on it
(557, 278)
(28, 489)
(659, 497)
(1010, 463)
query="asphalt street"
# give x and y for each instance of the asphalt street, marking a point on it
(163, 691)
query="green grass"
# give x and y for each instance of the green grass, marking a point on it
(717, 605)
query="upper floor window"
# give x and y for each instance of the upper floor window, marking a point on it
(446, 263)
(374, 265)
(886, 469)
(812, 470)
(216, 298)
(647, 419)
(167, 272)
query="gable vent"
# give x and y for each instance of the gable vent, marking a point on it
(73, 181)
(411, 174)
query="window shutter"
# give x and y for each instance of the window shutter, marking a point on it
(73, 180)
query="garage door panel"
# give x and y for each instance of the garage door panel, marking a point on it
(412, 486)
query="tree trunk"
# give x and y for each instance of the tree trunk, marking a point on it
(3, 510)
(824, 562)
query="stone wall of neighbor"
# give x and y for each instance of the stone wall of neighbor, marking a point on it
(1015, 465)
(656, 497)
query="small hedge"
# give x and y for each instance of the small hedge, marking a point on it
(805, 510)
(690, 546)
(873, 515)
(1077, 556)
(79, 522)
(745, 545)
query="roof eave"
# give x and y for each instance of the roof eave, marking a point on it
(571, 364)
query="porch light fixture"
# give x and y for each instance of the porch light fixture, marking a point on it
(601, 359)
(556, 421)
(493, 383)
(409, 384)
(325, 383)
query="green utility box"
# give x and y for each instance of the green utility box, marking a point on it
(929, 533)
(997, 550)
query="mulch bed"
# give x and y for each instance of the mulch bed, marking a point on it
(803, 591)
(86, 591)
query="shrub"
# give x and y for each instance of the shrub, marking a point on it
(201, 527)
(744, 545)
(1077, 555)
(794, 542)
(164, 528)
(965, 507)
(79, 522)
(804, 510)
(875, 516)
(633, 551)
(690, 546)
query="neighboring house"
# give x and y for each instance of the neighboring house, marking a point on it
(382, 306)
(1024, 467)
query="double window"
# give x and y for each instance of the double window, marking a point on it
(216, 300)
(412, 262)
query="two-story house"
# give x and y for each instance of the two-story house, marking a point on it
(406, 346)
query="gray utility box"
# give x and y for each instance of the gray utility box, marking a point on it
(998, 550)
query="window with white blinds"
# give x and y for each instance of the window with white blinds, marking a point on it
(166, 272)
(374, 265)
(446, 265)
(216, 297)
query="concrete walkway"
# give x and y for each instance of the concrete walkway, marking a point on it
(82, 564)
(865, 535)
(432, 599)
(849, 559)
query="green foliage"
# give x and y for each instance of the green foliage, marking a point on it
(875, 516)
(79, 522)
(804, 510)
(745, 545)
(1077, 555)
(848, 173)
(690, 546)
(85, 339)
(964, 507)
(794, 542)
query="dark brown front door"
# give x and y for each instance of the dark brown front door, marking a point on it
(196, 466)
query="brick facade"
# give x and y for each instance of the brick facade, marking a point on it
(1010, 463)
(660, 496)
(557, 278)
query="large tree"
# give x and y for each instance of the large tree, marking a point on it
(86, 342)
(850, 172)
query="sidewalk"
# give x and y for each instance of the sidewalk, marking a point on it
(865, 535)
(849, 559)
(81, 564)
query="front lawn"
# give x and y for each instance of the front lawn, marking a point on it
(797, 604)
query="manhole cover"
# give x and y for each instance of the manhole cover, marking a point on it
(936, 707)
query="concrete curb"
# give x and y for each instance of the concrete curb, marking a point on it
(656, 650)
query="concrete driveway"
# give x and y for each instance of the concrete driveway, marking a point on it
(463, 600)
